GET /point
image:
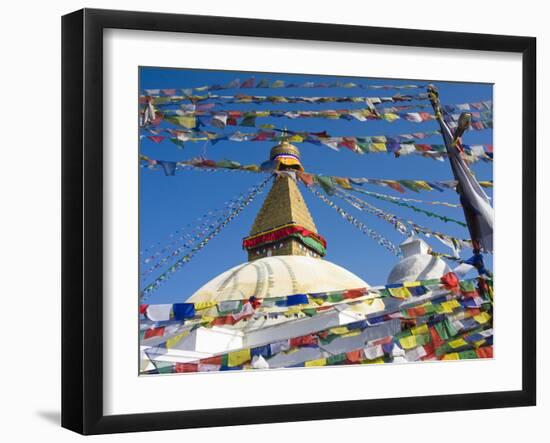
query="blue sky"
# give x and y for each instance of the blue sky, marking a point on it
(169, 203)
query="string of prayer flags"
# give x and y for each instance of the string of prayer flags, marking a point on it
(150, 288)
(201, 163)
(405, 204)
(403, 226)
(380, 239)
(186, 235)
(428, 341)
(471, 298)
(221, 119)
(251, 83)
(195, 99)
(393, 198)
(398, 145)
(329, 182)
(186, 240)
(450, 330)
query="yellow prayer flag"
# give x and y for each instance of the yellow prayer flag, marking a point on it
(482, 318)
(411, 284)
(424, 185)
(408, 342)
(451, 356)
(446, 307)
(200, 305)
(171, 342)
(459, 342)
(390, 116)
(378, 147)
(186, 122)
(318, 362)
(454, 303)
(342, 182)
(296, 139)
(238, 357)
(400, 292)
(291, 311)
(339, 330)
(419, 330)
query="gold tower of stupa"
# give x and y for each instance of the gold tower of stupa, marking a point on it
(284, 225)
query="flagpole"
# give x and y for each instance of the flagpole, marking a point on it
(454, 144)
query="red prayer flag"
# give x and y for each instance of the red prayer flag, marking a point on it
(450, 281)
(354, 293)
(307, 179)
(485, 352)
(156, 138)
(216, 360)
(355, 356)
(418, 311)
(186, 367)
(306, 340)
(430, 351)
(437, 341)
(154, 332)
(395, 186)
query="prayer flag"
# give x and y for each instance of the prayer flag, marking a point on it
(237, 358)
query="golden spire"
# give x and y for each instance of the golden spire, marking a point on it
(284, 225)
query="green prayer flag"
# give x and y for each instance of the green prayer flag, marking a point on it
(335, 359)
(451, 330)
(442, 331)
(249, 120)
(225, 359)
(335, 298)
(326, 183)
(310, 312)
(465, 355)
(423, 339)
(467, 286)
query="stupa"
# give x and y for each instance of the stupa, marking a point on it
(285, 257)
(417, 263)
(285, 251)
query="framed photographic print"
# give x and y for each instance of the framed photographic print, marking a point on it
(279, 221)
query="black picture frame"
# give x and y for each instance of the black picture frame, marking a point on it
(82, 218)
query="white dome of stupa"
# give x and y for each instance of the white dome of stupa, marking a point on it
(277, 276)
(417, 263)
